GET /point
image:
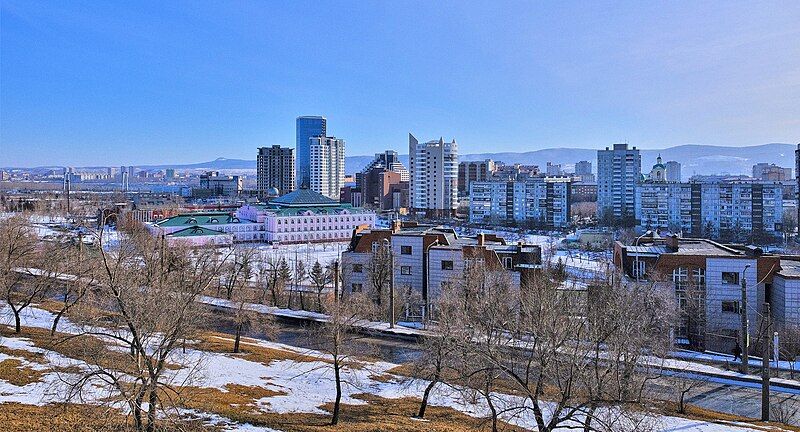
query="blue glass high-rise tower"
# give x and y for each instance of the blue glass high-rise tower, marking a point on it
(307, 127)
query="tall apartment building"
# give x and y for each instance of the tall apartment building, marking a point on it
(554, 169)
(275, 170)
(306, 127)
(434, 177)
(470, 171)
(583, 169)
(619, 169)
(540, 201)
(384, 182)
(726, 209)
(326, 167)
(797, 179)
(771, 172)
(673, 171)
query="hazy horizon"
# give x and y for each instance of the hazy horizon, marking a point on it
(94, 84)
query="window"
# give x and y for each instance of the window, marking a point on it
(447, 265)
(357, 287)
(358, 268)
(730, 278)
(731, 306)
(405, 250)
(508, 262)
(405, 270)
(639, 268)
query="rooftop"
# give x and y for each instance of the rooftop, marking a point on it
(200, 218)
(195, 231)
(303, 198)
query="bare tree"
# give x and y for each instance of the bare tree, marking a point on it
(21, 257)
(238, 269)
(274, 272)
(566, 359)
(379, 271)
(80, 278)
(246, 319)
(150, 293)
(335, 337)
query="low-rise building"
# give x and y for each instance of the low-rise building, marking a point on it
(425, 257)
(706, 278)
(305, 216)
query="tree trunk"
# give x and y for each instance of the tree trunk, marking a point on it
(425, 394)
(55, 322)
(587, 423)
(336, 367)
(238, 337)
(137, 412)
(488, 396)
(319, 300)
(17, 323)
(302, 300)
(151, 410)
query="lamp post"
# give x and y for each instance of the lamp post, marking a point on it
(745, 331)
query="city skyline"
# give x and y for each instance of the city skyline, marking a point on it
(139, 84)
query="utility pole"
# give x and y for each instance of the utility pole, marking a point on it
(765, 363)
(336, 281)
(391, 285)
(745, 331)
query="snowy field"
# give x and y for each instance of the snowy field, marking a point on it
(302, 386)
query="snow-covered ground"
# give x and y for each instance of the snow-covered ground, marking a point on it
(303, 386)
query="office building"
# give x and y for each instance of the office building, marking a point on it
(214, 184)
(326, 166)
(673, 171)
(539, 202)
(387, 160)
(434, 177)
(470, 171)
(306, 127)
(383, 189)
(619, 169)
(275, 171)
(797, 179)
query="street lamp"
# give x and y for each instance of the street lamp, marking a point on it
(745, 331)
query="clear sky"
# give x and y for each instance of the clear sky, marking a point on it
(121, 82)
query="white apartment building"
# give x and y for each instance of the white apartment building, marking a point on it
(541, 201)
(715, 209)
(327, 166)
(434, 177)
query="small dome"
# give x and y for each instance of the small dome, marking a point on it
(273, 191)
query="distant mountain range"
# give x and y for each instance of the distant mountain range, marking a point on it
(694, 158)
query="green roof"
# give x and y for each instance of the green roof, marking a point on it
(205, 218)
(193, 231)
(316, 210)
(304, 198)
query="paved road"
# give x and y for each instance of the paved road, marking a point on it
(716, 395)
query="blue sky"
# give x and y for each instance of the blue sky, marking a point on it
(119, 83)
